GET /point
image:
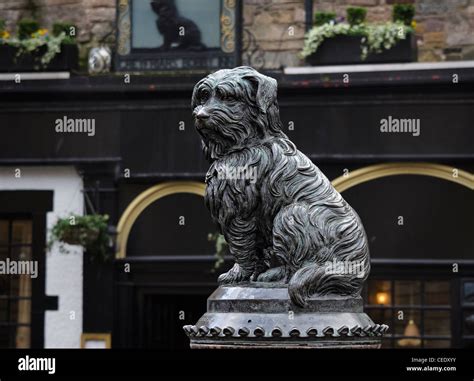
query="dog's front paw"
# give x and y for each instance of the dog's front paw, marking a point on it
(235, 275)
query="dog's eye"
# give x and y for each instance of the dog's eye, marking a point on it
(228, 97)
(204, 96)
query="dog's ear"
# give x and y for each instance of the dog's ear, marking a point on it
(266, 92)
(195, 91)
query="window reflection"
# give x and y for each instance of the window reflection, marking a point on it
(380, 292)
(3, 232)
(469, 292)
(407, 324)
(411, 333)
(21, 232)
(437, 293)
(15, 290)
(417, 312)
(437, 323)
(468, 318)
(407, 292)
(168, 25)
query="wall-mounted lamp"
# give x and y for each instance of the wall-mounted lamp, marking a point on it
(382, 297)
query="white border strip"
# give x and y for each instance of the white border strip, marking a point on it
(35, 76)
(379, 67)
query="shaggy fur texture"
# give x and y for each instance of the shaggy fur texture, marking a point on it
(288, 223)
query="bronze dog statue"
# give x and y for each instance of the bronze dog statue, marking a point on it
(286, 223)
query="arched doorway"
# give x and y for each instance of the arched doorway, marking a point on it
(164, 265)
(418, 218)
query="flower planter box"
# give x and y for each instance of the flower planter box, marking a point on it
(344, 50)
(66, 60)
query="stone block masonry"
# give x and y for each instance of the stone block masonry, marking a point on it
(445, 28)
(95, 19)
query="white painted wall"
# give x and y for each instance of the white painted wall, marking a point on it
(63, 271)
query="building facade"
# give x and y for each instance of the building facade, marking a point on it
(444, 28)
(143, 167)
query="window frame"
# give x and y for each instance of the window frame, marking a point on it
(13, 326)
(34, 203)
(421, 308)
(128, 59)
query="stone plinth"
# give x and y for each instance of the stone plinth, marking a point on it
(261, 316)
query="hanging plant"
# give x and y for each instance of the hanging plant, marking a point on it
(90, 232)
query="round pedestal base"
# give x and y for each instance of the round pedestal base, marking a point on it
(260, 316)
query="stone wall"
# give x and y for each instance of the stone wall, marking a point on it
(445, 28)
(95, 19)
(273, 29)
(278, 27)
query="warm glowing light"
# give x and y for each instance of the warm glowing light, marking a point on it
(381, 297)
(412, 331)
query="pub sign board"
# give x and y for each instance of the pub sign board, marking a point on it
(174, 35)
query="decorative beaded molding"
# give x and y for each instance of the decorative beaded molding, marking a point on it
(376, 330)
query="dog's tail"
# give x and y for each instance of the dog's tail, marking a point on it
(304, 283)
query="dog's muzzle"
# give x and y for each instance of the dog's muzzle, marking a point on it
(202, 114)
(201, 117)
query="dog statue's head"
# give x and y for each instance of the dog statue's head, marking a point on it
(234, 109)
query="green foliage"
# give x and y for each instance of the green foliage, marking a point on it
(26, 28)
(403, 13)
(221, 249)
(356, 15)
(2, 25)
(31, 38)
(68, 29)
(321, 18)
(88, 231)
(53, 45)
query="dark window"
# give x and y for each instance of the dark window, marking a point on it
(15, 290)
(164, 317)
(417, 311)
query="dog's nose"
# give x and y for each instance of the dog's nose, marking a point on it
(202, 114)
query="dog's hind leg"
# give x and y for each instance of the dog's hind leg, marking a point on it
(241, 236)
(294, 237)
(296, 243)
(275, 274)
(309, 256)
